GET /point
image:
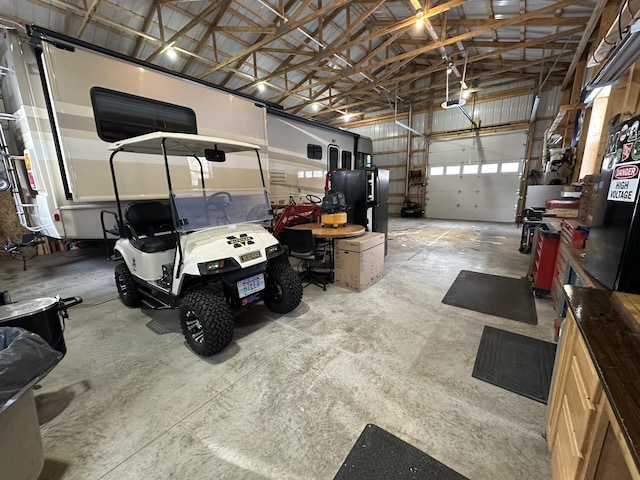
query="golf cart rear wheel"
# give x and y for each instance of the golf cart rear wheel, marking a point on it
(284, 288)
(129, 294)
(206, 321)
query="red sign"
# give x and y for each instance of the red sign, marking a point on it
(626, 171)
(626, 151)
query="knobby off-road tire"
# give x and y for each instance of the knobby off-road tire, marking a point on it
(206, 321)
(127, 289)
(284, 288)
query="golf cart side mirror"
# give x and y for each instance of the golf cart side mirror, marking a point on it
(214, 155)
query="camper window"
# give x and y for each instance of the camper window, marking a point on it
(314, 152)
(333, 157)
(120, 115)
(346, 159)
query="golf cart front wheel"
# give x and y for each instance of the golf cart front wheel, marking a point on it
(206, 321)
(284, 288)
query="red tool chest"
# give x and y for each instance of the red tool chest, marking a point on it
(544, 259)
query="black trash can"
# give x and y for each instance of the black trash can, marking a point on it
(25, 359)
(44, 316)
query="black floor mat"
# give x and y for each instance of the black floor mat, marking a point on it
(504, 297)
(379, 455)
(520, 364)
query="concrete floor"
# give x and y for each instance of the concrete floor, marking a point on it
(290, 396)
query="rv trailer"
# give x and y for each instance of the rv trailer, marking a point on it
(65, 101)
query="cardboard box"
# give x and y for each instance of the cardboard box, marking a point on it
(359, 261)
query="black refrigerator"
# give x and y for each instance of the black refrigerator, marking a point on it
(612, 255)
(366, 193)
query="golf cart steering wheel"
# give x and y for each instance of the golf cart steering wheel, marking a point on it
(314, 198)
(218, 201)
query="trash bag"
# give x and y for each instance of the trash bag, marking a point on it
(25, 358)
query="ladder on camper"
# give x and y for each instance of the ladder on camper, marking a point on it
(12, 175)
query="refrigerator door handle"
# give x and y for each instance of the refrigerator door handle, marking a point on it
(371, 196)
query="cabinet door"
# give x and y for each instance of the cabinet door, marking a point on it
(563, 364)
(611, 463)
(566, 457)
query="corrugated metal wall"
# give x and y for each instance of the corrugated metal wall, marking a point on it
(390, 139)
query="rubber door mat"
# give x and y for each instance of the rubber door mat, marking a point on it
(379, 455)
(517, 363)
(504, 297)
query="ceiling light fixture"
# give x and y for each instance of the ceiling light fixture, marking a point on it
(452, 102)
(170, 51)
(619, 60)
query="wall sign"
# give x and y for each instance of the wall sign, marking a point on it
(624, 183)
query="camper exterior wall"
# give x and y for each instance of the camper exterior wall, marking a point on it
(293, 174)
(70, 75)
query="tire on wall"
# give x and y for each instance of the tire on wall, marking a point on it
(206, 321)
(127, 289)
(284, 288)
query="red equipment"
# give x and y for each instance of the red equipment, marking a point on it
(294, 214)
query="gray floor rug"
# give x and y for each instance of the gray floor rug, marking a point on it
(379, 455)
(504, 297)
(517, 363)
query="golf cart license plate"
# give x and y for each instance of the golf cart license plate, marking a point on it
(251, 285)
(250, 256)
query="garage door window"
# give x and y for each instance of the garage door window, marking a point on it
(489, 168)
(511, 167)
(453, 170)
(436, 171)
(470, 169)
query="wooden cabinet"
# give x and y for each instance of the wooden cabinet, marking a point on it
(572, 406)
(583, 433)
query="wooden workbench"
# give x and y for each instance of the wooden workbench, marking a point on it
(593, 422)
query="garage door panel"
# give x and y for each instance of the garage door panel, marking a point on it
(481, 191)
(445, 184)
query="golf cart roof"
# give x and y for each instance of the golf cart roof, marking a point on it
(184, 144)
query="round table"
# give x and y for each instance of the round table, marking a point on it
(346, 231)
(331, 233)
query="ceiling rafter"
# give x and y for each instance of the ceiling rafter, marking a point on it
(342, 55)
(282, 30)
(496, 52)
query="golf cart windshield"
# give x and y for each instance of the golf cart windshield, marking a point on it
(199, 209)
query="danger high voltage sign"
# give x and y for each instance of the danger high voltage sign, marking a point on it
(624, 183)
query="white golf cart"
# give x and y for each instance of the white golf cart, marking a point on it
(203, 251)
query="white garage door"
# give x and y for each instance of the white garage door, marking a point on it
(476, 178)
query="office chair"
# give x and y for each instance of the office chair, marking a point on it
(303, 246)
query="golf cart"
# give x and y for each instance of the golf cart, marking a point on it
(202, 251)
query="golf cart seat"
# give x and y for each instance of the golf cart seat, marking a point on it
(149, 226)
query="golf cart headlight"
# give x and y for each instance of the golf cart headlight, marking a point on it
(217, 266)
(274, 250)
